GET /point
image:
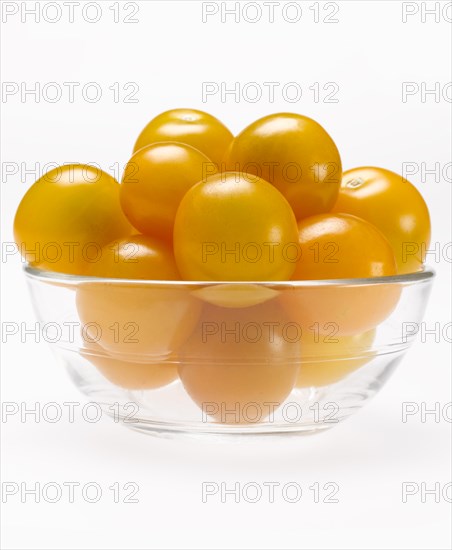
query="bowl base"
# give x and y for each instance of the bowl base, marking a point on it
(168, 412)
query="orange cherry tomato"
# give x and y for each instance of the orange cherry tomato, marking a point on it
(296, 155)
(239, 365)
(154, 182)
(137, 321)
(136, 257)
(340, 246)
(67, 216)
(130, 374)
(232, 228)
(394, 206)
(328, 359)
(196, 128)
(345, 309)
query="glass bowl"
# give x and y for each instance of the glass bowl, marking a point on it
(229, 358)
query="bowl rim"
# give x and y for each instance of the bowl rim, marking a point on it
(426, 274)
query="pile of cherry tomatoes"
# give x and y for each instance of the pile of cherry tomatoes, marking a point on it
(198, 204)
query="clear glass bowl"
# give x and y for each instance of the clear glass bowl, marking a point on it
(222, 358)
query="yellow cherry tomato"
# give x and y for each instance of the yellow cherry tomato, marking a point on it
(347, 309)
(196, 128)
(136, 257)
(154, 182)
(67, 216)
(340, 246)
(239, 365)
(130, 374)
(328, 359)
(394, 206)
(137, 321)
(296, 155)
(232, 227)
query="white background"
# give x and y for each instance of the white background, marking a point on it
(169, 53)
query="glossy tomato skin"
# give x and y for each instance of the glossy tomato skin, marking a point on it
(394, 206)
(190, 126)
(239, 361)
(67, 216)
(296, 155)
(154, 182)
(137, 321)
(340, 246)
(136, 257)
(234, 227)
